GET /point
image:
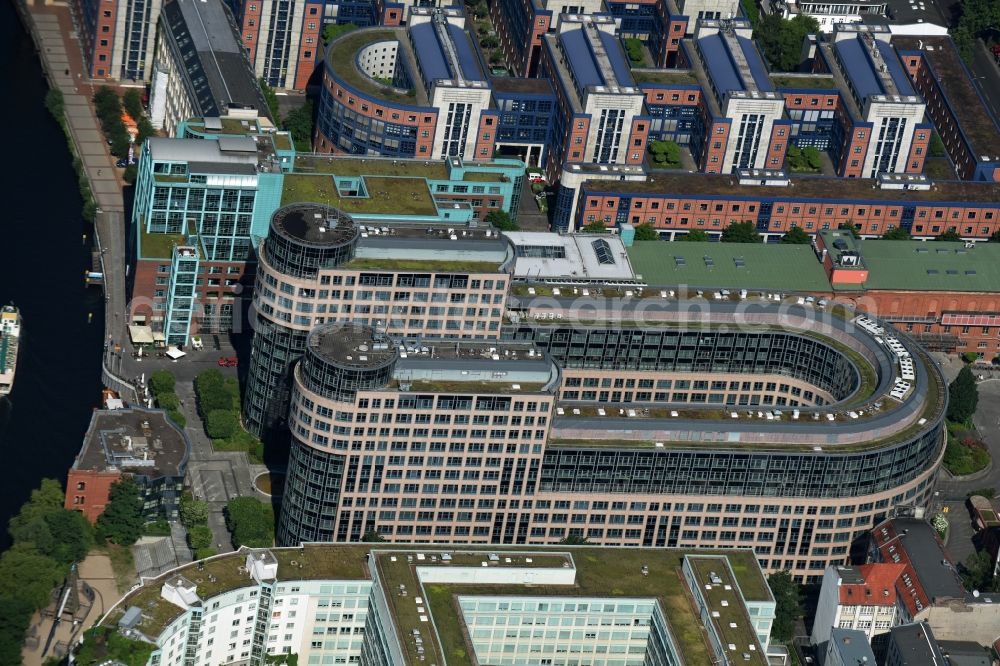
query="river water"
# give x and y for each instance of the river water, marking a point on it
(42, 261)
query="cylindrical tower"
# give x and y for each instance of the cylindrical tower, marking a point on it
(340, 360)
(303, 239)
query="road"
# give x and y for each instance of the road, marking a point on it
(986, 74)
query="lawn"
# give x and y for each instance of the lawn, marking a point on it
(370, 166)
(804, 82)
(342, 58)
(386, 195)
(159, 246)
(675, 76)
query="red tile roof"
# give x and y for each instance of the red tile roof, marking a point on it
(879, 589)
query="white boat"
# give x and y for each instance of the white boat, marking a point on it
(10, 334)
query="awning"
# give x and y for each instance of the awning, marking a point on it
(175, 353)
(140, 335)
(158, 336)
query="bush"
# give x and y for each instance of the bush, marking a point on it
(965, 457)
(162, 381)
(168, 402)
(501, 220)
(157, 528)
(177, 418)
(204, 553)
(221, 424)
(665, 153)
(199, 536)
(646, 232)
(193, 512)
(636, 52)
(251, 522)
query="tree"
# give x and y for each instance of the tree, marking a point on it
(936, 147)
(372, 536)
(489, 42)
(28, 576)
(299, 123)
(741, 232)
(132, 101)
(950, 235)
(251, 522)
(812, 157)
(501, 220)
(332, 31)
(221, 424)
(781, 40)
(665, 153)
(695, 236)
(896, 233)
(646, 232)
(788, 605)
(634, 49)
(192, 511)
(796, 236)
(199, 537)
(848, 226)
(122, 521)
(963, 396)
(270, 97)
(162, 381)
(15, 616)
(596, 227)
(977, 572)
(45, 499)
(995, 236)
(55, 103)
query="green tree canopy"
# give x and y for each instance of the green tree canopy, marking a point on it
(192, 511)
(695, 236)
(665, 153)
(796, 236)
(574, 540)
(28, 576)
(963, 396)
(299, 123)
(122, 521)
(270, 97)
(782, 40)
(221, 423)
(251, 522)
(162, 381)
(15, 616)
(45, 499)
(372, 536)
(595, 227)
(741, 232)
(646, 232)
(199, 537)
(949, 235)
(788, 605)
(896, 233)
(501, 220)
(634, 49)
(977, 573)
(332, 31)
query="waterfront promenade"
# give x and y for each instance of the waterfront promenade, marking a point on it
(58, 46)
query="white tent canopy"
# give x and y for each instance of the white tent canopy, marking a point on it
(175, 353)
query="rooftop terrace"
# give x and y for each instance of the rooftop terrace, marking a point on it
(850, 190)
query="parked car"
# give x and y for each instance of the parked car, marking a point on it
(228, 361)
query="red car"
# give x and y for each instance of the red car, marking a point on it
(228, 362)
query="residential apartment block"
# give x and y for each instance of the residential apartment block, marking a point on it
(118, 37)
(398, 605)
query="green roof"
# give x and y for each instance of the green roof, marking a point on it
(804, 81)
(931, 265)
(386, 196)
(668, 76)
(780, 267)
(342, 59)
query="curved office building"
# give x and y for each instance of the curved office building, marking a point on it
(785, 433)
(302, 240)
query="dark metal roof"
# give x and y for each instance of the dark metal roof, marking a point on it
(721, 64)
(582, 60)
(218, 74)
(863, 72)
(432, 54)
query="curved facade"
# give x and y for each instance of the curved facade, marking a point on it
(302, 239)
(481, 461)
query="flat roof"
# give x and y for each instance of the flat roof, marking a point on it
(213, 59)
(974, 118)
(729, 616)
(315, 224)
(350, 345)
(819, 188)
(140, 441)
(236, 150)
(931, 266)
(342, 57)
(915, 645)
(382, 195)
(612, 573)
(729, 265)
(547, 256)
